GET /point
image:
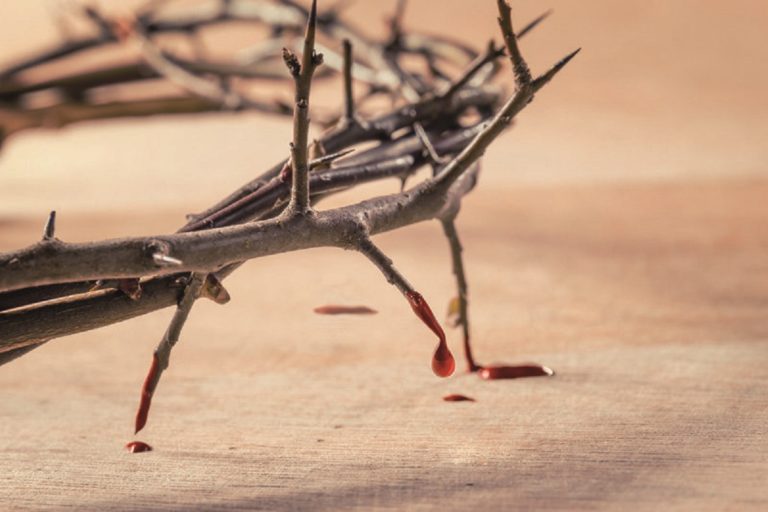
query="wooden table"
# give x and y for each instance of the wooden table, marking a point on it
(650, 301)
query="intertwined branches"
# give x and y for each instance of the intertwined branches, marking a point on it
(54, 288)
(203, 84)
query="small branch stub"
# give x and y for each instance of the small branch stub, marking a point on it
(163, 260)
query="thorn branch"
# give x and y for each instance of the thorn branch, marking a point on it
(349, 99)
(302, 75)
(155, 271)
(449, 228)
(519, 66)
(162, 355)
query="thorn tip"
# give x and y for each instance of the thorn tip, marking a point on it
(49, 232)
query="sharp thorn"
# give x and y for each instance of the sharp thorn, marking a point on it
(312, 23)
(546, 77)
(327, 159)
(50, 226)
(163, 260)
(535, 23)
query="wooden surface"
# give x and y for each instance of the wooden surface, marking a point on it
(649, 301)
(619, 235)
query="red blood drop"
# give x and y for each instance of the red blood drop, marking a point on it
(443, 363)
(138, 447)
(458, 398)
(514, 372)
(146, 395)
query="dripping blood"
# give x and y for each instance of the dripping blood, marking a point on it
(146, 394)
(514, 372)
(443, 363)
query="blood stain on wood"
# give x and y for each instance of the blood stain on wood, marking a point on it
(458, 398)
(138, 447)
(334, 309)
(514, 372)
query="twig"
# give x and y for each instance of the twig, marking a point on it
(449, 228)
(219, 250)
(302, 75)
(161, 357)
(77, 107)
(349, 100)
(364, 244)
(501, 120)
(380, 127)
(491, 54)
(58, 116)
(183, 78)
(424, 139)
(206, 251)
(519, 66)
(443, 363)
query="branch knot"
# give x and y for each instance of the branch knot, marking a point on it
(292, 62)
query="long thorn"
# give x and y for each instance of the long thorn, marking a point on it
(491, 54)
(546, 77)
(533, 24)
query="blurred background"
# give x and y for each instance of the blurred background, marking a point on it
(661, 91)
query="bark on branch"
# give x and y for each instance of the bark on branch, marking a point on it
(248, 224)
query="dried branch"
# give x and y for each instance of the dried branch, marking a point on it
(302, 75)
(449, 228)
(162, 356)
(443, 363)
(284, 17)
(186, 80)
(349, 99)
(423, 136)
(54, 270)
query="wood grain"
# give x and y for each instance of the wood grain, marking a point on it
(648, 300)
